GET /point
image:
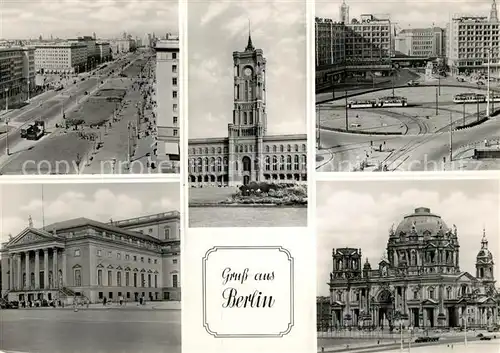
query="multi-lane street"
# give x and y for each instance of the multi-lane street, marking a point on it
(424, 144)
(68, 150)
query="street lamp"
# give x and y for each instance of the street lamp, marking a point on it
(7, 151)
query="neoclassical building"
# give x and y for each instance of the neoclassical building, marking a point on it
(418, 284)
(90, 259)
(248, 153)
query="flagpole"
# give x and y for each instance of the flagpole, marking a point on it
(43, 212)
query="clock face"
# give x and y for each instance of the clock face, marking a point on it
(248, 71)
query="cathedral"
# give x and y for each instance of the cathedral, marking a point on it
(248, 153)
(419, 283)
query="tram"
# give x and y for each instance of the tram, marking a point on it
(468, 98)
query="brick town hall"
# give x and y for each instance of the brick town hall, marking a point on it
(248, 154)
(419, 283)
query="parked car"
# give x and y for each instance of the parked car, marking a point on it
(413, 83)
(485, 338)
(9, 305)
(460, 79)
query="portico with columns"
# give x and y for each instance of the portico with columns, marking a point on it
(37, 266)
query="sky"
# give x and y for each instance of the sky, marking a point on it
(100, 202)
(360, 214)
(218, 28)
(23, 19)
(406, 13)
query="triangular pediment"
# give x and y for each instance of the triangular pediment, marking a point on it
(429, 302)
(31, 236)
(431, 245)
(487, 300)
(337, 303)
(465, 277)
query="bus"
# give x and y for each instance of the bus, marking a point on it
(362, 104)
(467, 98)
(392, 101)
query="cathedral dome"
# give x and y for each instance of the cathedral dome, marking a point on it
(423, 220)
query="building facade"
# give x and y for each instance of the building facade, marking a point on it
(62, 57)
(167, 101)
(104, 50)
(418, 284)
(422, 42)
(359, 46)
(17, 72)
(120, 46)
(83, 258)
(248, 154)
(472, 40)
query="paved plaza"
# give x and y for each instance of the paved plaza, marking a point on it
(65, 331)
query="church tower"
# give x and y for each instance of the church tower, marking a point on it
(493, 12)
(249, 125)
(484, 262)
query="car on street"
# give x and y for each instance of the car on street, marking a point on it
(413, 83)
(485, 338)
(9, 305)
(480, 83)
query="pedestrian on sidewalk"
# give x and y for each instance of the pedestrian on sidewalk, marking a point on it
(104, 301)
(121, 300)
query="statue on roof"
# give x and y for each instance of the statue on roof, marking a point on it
(30, 221)
(455, 229)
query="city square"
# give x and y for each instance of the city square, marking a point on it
(134, 329)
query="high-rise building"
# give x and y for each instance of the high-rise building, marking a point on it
(63, 57)
(424, 42)
(344, 13)
(17, 72)
(167, 102)
(104, 51)
(472, 39)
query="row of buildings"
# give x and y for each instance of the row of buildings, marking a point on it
(418, 283)
(86, 259)
(465, 44)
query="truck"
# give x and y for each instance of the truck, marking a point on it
(34, 131)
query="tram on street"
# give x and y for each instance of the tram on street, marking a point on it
(494, 98)
(392, 101)
(362, 104)
(468, 98)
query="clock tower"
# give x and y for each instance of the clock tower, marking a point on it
(249, 123)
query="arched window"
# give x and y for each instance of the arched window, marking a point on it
(268, 163)
(213, 149)
(199, 150)
(296, 162)
(246, 148)
(212, 164)
(289, 162)
(219, 150)
(275, 163)
(219, 164)
(199, 165)
(251, 118)
(448, 293)
(267, 149)
(288, 148)
(431, 293)
(282, 162)
(206, 150)
(281, 148)
(296, 148)
(304, 147)
(274, 148)
(77, 276)
(245, 118)
(241, 148)
(99, 277)
(304, 162)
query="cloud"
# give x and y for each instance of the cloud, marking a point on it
(215, 8)
(347, 217)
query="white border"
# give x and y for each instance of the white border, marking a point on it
(396, 176)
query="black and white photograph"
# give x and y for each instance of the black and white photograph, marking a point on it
(89, 87)
(247, 107)
(408, 265)
(407, 85)
(90, 267)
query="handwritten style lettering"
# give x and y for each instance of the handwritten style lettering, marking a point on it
(264, 276)
(232, 299)
(229, 275)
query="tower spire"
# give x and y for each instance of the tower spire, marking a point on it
(484, 241)
(250, 46)
(493, 12)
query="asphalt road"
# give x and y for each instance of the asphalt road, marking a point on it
(110, 331)
(50, 106)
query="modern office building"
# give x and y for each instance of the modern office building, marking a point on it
(167, 102)
(17, 72)
(83, 258)
(472, 40)
(421, 42)
(248, 154)
(418, 283)
(344, 13)
(104, 50)
(124, 45)
(62, 57)
(359, 46)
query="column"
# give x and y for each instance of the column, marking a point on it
(27, 269)
(19, 277)
(64, 268)
(37, 269)
(11, 271)
(46, 268)
(55, 276)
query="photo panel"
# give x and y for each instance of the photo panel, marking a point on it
(407, 86)
(90, 267)
(247, 101)
(86, 89)
(408, 265)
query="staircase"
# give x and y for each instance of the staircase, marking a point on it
(68, 295)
